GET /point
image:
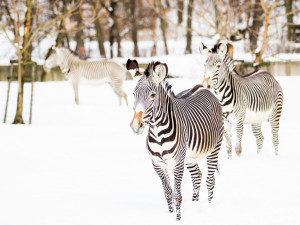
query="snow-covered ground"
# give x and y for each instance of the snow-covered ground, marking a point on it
(82, 164)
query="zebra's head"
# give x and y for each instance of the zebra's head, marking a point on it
(52, 61)
(145, 92)
(215, 58)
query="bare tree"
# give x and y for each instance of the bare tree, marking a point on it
(189, 27)
(32, 30)
(114, 32)
(290, 21)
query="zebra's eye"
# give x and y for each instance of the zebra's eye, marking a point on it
(152, 96)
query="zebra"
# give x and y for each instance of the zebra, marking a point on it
(94, 72)
(183, 129)
(249, 99)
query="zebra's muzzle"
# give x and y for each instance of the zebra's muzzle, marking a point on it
(137, 124)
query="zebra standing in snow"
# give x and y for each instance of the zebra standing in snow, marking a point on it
(183, 129)
(93, 72)
(249, 99)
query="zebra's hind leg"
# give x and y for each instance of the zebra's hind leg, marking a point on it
(125, 97)
(196, 179)
(120, 93)
(256, 128)
(162, 172)
(239, 136)
(75, 88)
(228, 136)
(178, 174)
(274, 121)
(212, 164)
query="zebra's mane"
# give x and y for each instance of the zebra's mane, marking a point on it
(230, 63)
(215, 48)
(69, 52)
(168, 88)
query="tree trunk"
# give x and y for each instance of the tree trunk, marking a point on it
(180, 6)
(163, 25)
(290, 22)
(259, 54)
(24, 57)
(117, 35)
(258, 14)
(188, 49)
(134, 28)
(100, 38)
(19, 112)
(60, 37)
(79, 36)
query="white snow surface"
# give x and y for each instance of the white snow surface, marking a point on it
(82, 164)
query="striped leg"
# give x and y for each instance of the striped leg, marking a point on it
(196, 179)
(228, 136)
(178, 174)
(75, 88)
(162, 172)
(256, 128)
(212, 163)
(274, 121)
(239, 136)
(117, 87)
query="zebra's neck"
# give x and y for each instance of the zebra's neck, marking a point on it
(67, 60)
(225, 87)
(163, 105)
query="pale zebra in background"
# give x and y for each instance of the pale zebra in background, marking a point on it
(249, 99)
(78, 71)
(183, 129)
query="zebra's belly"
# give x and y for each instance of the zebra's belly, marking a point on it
(86, 81)
(194, 157)
(252, 117)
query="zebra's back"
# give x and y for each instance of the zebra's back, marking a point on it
(260, 92)
(102, 71)
(203, 123)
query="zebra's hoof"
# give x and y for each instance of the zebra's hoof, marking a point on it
(171, 209)
(178, 217)
(238, 152)
(230, 156)
(195, 199)
(259, 151)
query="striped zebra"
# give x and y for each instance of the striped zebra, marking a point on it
(78, 71)
(249, 99)
(183, 129)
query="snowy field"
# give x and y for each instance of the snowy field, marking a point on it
(82, 165)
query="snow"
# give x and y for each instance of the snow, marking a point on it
(82, 164)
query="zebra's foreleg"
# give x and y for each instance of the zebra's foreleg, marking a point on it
(178, 174)
(212, 163)
(239, 135)
(228, 136)
(162, 172)
(75, 88)
(196, 179)
(256, 128)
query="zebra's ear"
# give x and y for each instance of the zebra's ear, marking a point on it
(133, 67)
(160, 72)
(203, 49)
(222, 49)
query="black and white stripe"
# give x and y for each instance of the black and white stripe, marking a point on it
(183, 129)
(88, 72)
(249, 99)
